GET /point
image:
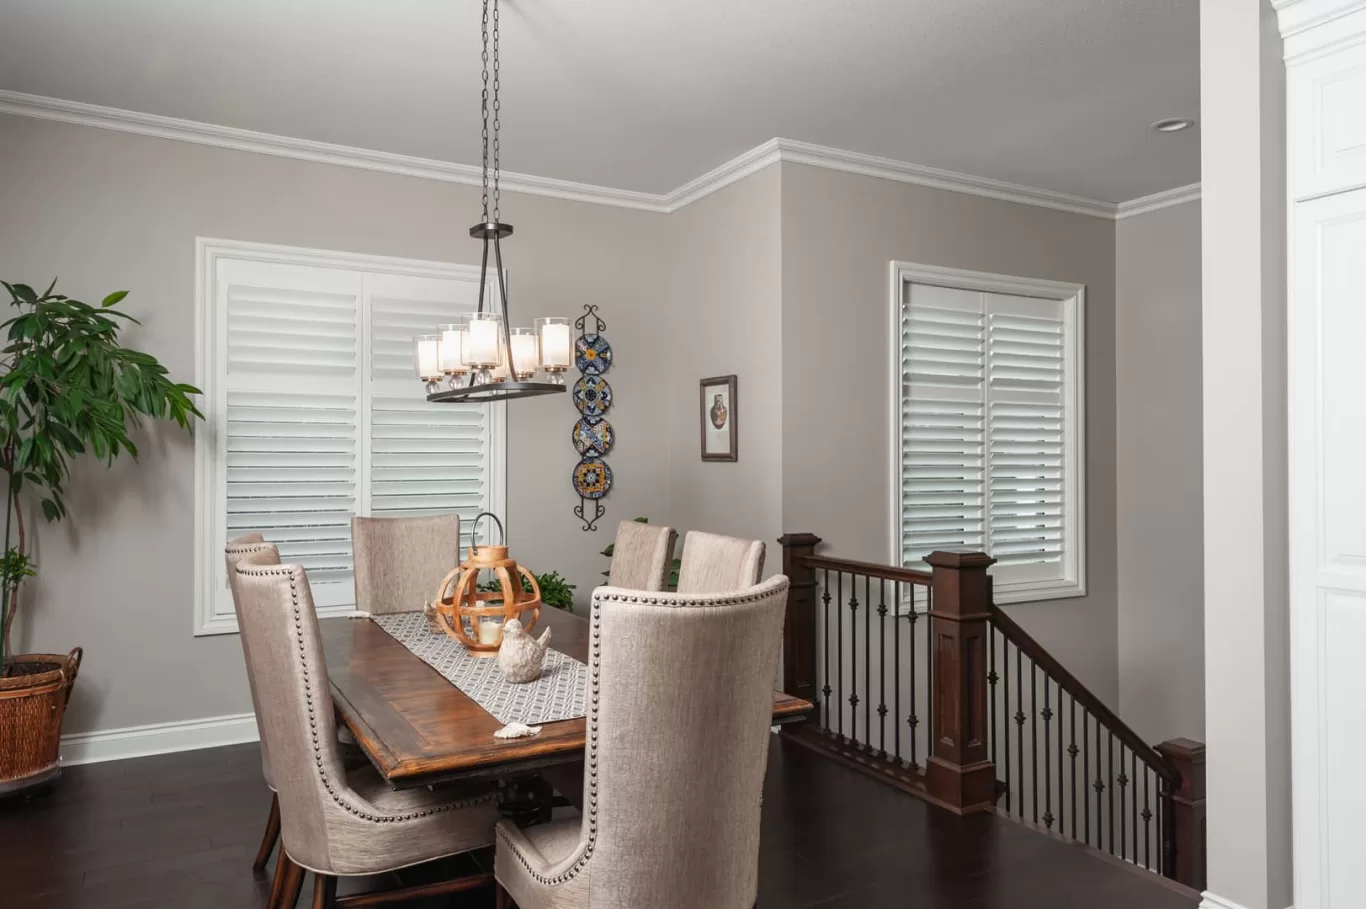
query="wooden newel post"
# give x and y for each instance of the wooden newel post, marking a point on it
(1183, 836)
(799, 628)
(959, 774)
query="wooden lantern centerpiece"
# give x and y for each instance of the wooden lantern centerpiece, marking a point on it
(461, 607)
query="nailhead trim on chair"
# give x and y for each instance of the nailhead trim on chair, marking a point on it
(293, 572)
(595, 665)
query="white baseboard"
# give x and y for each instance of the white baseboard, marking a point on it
(158, 738)
(1215, 901)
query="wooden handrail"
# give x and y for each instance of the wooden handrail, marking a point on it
(1082, 695)
(883, 572)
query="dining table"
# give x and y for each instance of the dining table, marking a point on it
(419, 729)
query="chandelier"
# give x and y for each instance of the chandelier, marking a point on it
(480, 356)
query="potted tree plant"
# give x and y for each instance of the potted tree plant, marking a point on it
(68, 389)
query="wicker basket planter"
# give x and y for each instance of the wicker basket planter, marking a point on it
(32, 704)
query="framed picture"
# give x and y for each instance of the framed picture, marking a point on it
(720, 441)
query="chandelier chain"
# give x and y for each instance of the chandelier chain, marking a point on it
(497, 108)
(484, 109)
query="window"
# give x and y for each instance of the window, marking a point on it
(312, 411)
(989, 417)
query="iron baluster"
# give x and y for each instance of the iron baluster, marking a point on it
(929, 672)
(1061, 805)
(896, 669)
(1147, 822)
(991, 681)
(867, 666)
(1085, 775)
(1110, 764)
(853, 658)
(1099, 786)
(882, 669)
(1072, 750)
(1123, 782)
(913, 721)
(1005, 724)
(1019, 723)
(839, 650)
(1133, 803)
(1034, 740)
(825, 641)
(1047, 759)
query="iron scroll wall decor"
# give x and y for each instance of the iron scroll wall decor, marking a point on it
(593, 436)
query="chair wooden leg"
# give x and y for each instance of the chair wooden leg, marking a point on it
(272, 835)
(277, 883)
(324, 891)
(292, 884)
(504, 898)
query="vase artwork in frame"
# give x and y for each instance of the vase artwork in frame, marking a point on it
(720, 436)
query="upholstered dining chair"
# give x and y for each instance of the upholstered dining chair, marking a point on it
(335, 824)
(715, 564)
(641, 555)
(399, 562)
(680, 702)
(253, 549)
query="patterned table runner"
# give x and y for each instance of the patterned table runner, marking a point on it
(559, 694)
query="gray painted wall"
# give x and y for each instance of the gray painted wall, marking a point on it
(724, 316)
(106, 210)
(840, 231)
(1159, 528)
(802, 246)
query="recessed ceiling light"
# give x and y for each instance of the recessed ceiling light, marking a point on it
(1173, 125)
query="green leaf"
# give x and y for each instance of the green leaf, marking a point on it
(113, 298)
(23, 292)
(50, 510)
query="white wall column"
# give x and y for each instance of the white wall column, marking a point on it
(1242, 88)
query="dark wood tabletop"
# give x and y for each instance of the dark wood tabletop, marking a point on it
(418, 729)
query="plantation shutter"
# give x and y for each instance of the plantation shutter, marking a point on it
(424, 460)
(943, 471)
(315, 415)
(985, 430)
(1025, 435)
(292, 415)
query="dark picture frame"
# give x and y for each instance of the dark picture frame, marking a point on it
(719, 435)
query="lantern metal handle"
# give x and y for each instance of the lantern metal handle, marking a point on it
(474, 530)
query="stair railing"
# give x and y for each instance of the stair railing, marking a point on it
(921, 681)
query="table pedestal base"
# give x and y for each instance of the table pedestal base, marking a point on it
(526, 801)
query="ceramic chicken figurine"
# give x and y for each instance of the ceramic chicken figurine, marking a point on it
(521, 656)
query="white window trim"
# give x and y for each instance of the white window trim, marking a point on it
(1073, 297)
(208, 486)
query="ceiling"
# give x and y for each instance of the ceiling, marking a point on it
(645, 96)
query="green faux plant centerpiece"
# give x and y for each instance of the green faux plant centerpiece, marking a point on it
(68, 389)
(555, 590)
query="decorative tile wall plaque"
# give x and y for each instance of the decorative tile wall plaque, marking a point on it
(593, 436)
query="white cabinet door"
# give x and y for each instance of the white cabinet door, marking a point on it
(1327, 136)
(1327, 374)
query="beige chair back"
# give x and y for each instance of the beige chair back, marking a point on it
(251, 549)
(641, 555)
(684, 702)
(399, 562)
(716, 564)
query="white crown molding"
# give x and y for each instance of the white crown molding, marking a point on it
(1295, 16)
(903, 172)
(1158, 201)
(158, 738)
(752, 161)
(737, 168)
(1312, 28)
(306, 150)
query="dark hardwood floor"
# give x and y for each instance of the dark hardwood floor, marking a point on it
(181, 831)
